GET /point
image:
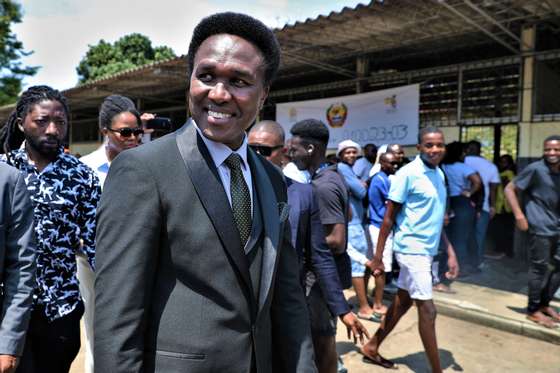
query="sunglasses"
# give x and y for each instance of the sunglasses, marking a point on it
(127, 132)
(264, 150)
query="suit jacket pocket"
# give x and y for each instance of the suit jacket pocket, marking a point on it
(180, 355)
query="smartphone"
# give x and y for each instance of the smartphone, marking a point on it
(160, 124)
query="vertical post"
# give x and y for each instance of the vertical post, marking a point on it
(362, 71)
(528, 35)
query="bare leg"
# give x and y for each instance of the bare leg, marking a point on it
(378, 305)
(325, 353)
(427, 326)
(360, 287)
(401, 304)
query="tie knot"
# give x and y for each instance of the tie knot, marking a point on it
(233, 161)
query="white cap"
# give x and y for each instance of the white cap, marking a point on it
(347, 144)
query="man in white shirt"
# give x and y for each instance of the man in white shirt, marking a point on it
(490, 180)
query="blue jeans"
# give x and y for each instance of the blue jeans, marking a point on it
(460, 227)
(478, 238)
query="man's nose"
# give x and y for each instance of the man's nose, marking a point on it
(52, 128)
(219, 93)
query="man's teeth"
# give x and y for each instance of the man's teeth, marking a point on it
(216, 114)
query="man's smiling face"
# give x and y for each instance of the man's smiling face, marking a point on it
(226, 88)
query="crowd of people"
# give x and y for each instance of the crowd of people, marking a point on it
(216, 249)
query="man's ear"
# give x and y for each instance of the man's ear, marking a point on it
(263, 97)
(310, 149)
(418, 147)
(19, 123)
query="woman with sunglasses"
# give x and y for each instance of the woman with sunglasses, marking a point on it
(121, 126)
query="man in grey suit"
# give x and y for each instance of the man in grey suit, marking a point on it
(195, 272)
(17, 266)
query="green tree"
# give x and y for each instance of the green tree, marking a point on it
(104, 59)
(12, 70)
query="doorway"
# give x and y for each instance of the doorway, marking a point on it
(496, 140)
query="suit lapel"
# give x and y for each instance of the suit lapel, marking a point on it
(210, 191)
(269, 210)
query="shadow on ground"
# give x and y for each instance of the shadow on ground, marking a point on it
(416, 362)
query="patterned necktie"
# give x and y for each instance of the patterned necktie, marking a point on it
(240, 197)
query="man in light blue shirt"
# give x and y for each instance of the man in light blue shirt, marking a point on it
(415, 209)
(363, 165)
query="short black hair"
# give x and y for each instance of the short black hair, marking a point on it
(474, 147)
(427, 130)
(552, 138)
(241, 25)
(454, 152)
(113, 106)
(312, 130)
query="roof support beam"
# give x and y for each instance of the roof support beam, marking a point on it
(321, 65)
(493, 21)
(473, 23)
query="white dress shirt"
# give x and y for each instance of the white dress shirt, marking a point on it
(98, 162)
(219, 153)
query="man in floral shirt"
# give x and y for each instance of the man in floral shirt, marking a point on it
(64, 193)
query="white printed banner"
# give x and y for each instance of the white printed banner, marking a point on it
(380, 117)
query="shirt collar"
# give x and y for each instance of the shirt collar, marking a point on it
(219, 152)
(423, 164)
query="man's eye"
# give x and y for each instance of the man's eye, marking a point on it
(204, 77)
(239, 83)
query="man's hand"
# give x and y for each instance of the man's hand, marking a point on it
(453, 266)
(492, 212)
(354, 327)
(8, 363)
(521, 223)
(376, 266)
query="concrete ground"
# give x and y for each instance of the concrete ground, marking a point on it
(463, 346)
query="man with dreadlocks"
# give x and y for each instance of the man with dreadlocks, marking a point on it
(64, 194)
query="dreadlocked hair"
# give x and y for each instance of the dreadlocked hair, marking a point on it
(11, 137)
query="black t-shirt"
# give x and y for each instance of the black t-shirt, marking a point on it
(541, 192)
(332, 197)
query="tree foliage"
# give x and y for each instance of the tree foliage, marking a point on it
(12, 70)
(104, 59)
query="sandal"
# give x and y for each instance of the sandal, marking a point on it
(375, 317)
(379, 360)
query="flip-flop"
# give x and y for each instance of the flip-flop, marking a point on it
(381, 361)
(373, 317)
(549, 324)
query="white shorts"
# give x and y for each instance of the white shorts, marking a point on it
(388, 251)
(416, 275)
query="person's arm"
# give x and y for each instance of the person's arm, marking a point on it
(128, 239)
(335, 236)
(87, 214)
(355, 185)
(324, 267)
(452, 263)
(19, 274)
(476, 184)
(376, 264)
(511, 193)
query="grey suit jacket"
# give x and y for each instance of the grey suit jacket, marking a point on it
(17, 260)
(174, 292)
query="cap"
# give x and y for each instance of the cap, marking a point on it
(347, 144)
